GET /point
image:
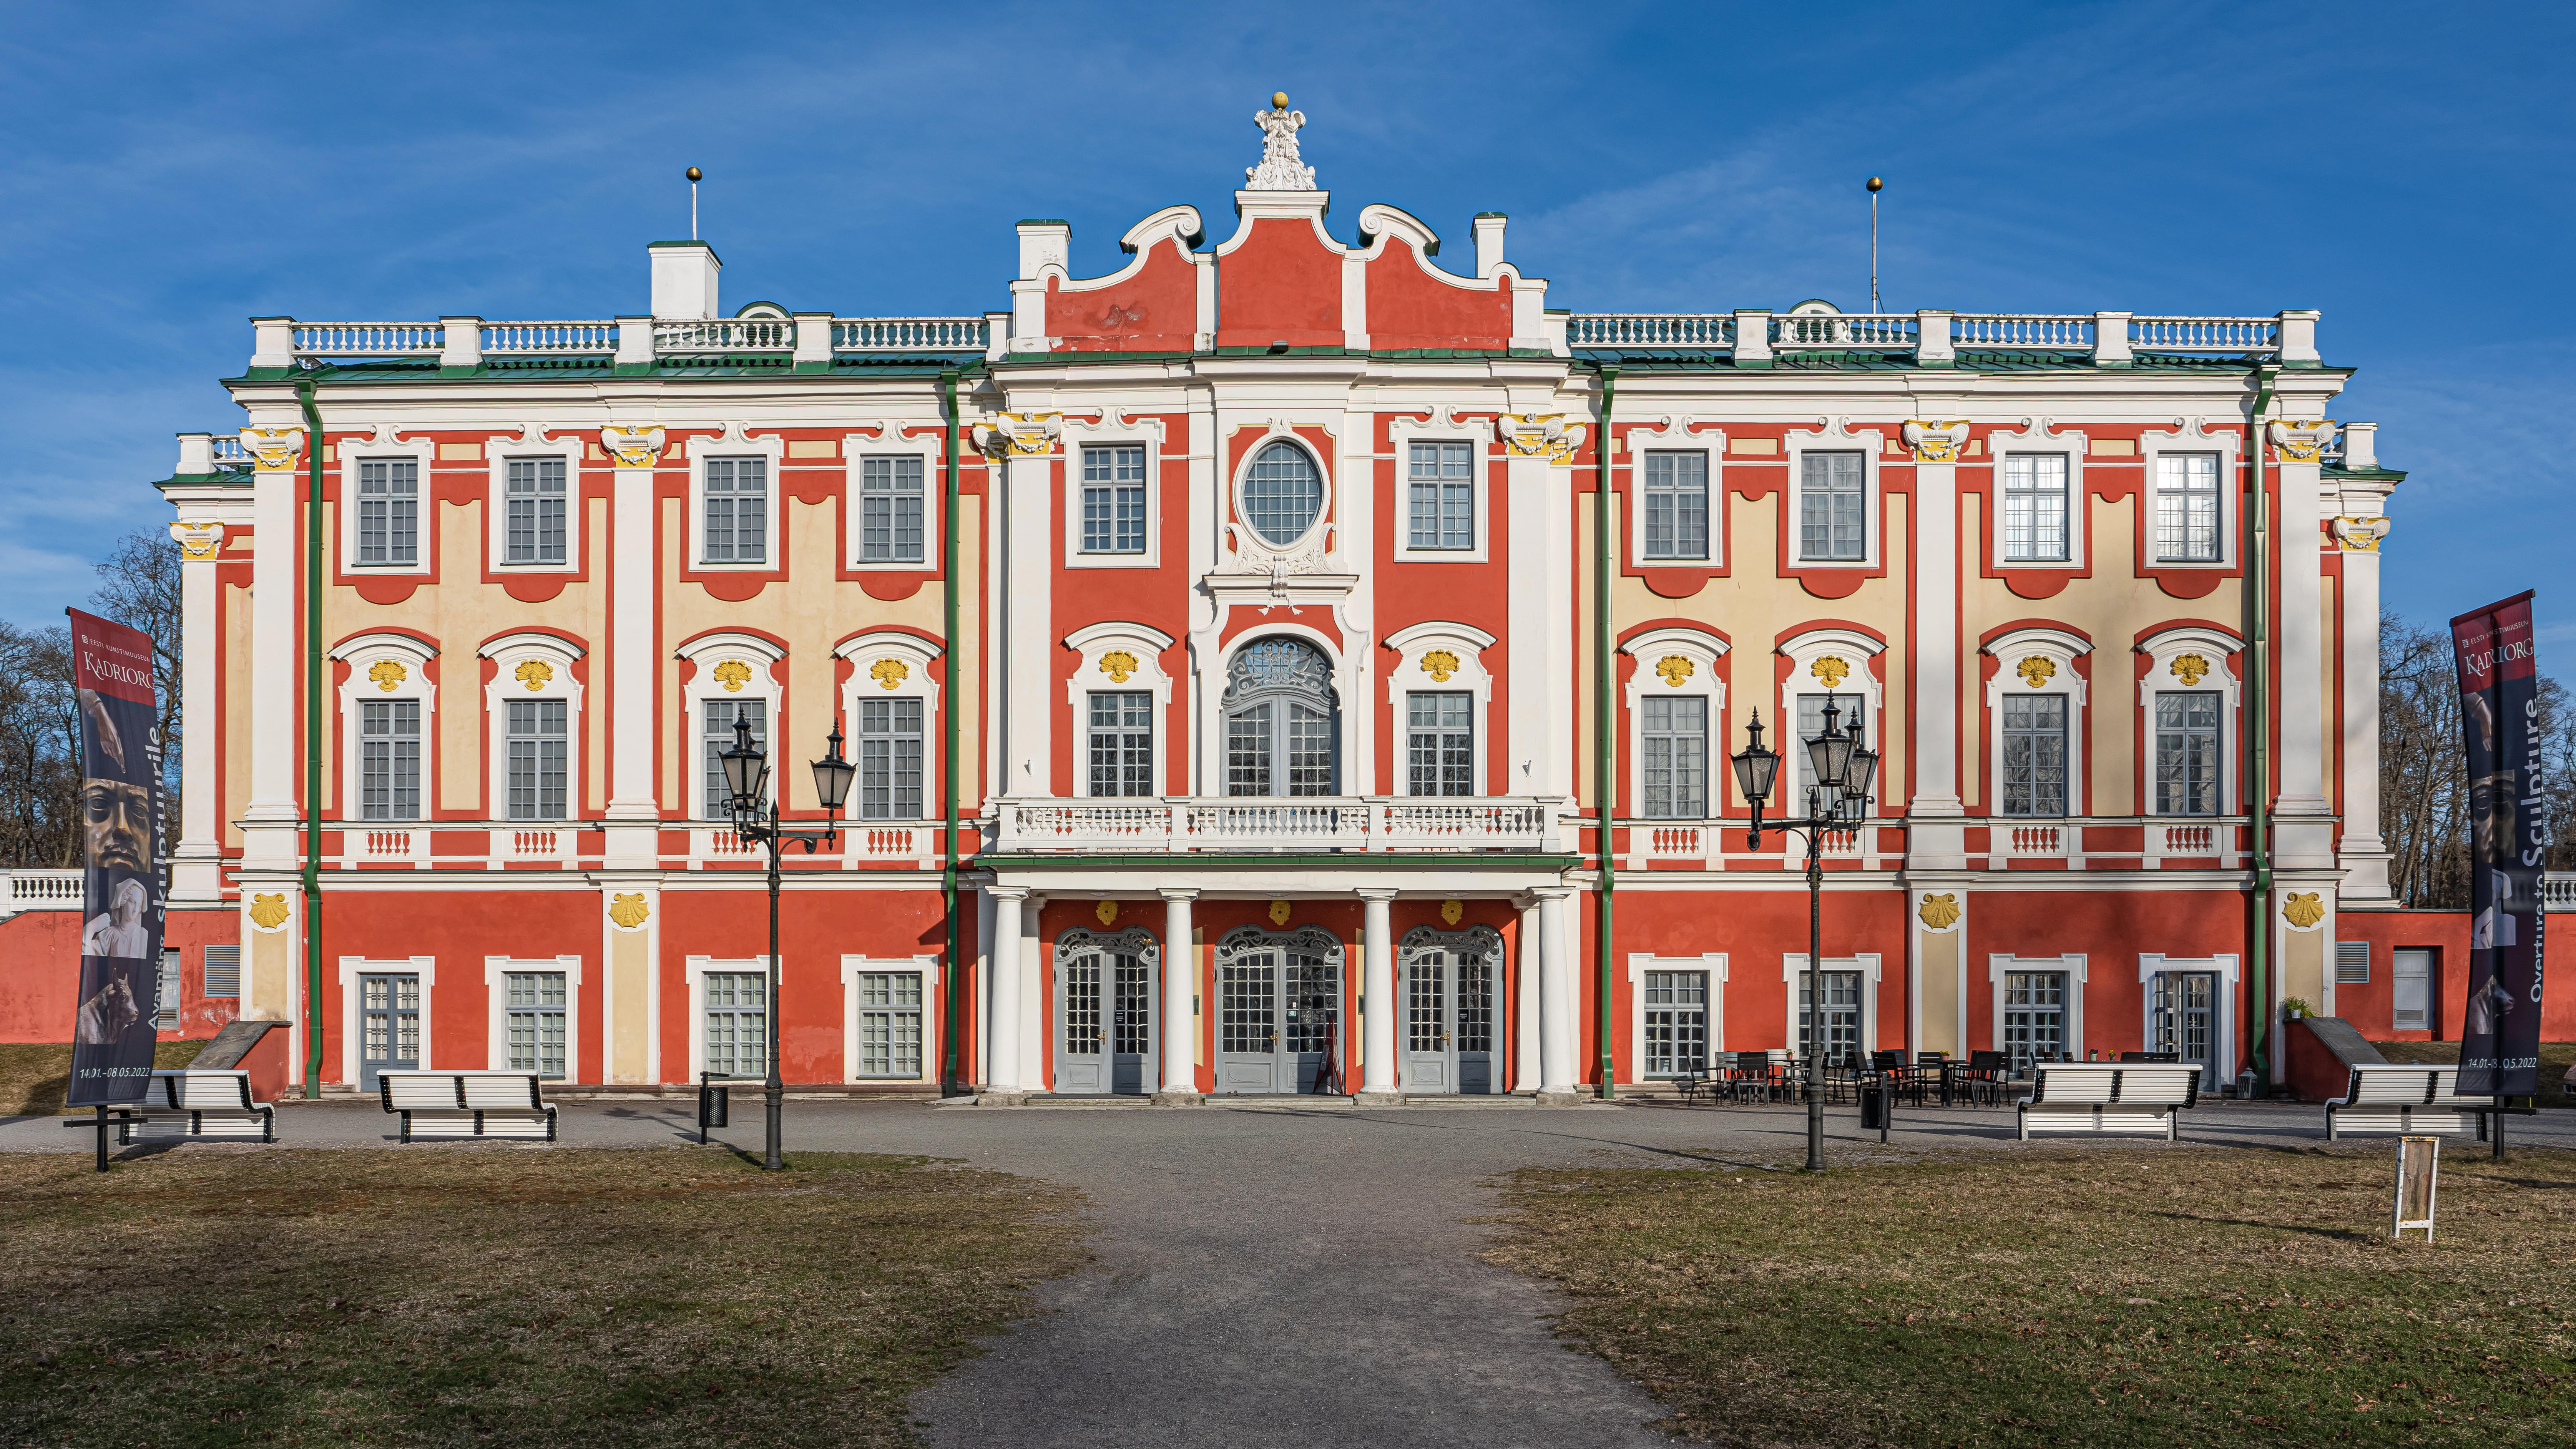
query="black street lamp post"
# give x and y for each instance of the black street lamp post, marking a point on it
(755, 818)
(1836, 805)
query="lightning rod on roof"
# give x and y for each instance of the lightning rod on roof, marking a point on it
(695, 175)
(1874, 185)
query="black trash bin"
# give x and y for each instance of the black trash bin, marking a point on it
(1875, 1106)
(715, 1103)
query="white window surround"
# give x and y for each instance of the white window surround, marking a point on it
(362, 654)
(693, 971)
(353, 967)
(2162, 648)
(1677, 433)
(1403, 432)
(1702, 651)
(510, 652)
(498, 452)
(496, 992)
(1248, 542)
(2224, 966)
(387, 443)
(1113, 430)
(1094, 643)
(1802, 651)
(868, 653)
(2036, 437)
(708, 652)
(1411, 643)
(1793, 975)
(1831, 435)
(1350, 675)
(852, 967)
(892, 440)
(2072, 963)
(2192, 435)
(2061, 650)
(735, 443)
(1712, 962)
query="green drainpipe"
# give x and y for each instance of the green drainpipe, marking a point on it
(312, 736)
(948, 739)
(2259, 739)
(1605, 740)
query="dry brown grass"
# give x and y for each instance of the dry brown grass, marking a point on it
(484, 1295)
(2098, 1296)
(2555, 1059)
(33, 1077)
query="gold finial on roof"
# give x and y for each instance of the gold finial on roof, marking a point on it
(1279, 100)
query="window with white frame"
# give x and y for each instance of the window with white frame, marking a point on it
(2034, 1017)
(1440, 742)
(716, 719)
(2187, 763)
(2352, 963)
(1677, 505)
(538, 747)
(1676, 1023)
(1833, 507)
(1441, 510)
(165, 1003)
(1841, 990)
(1113, 498)
(1120, 736)
(389, 759)
(533, 511)
(736, 526)
(2034, 753)
(533, 1017)
(890, 510)
(388, 512)
(2187, 522)
(889, 1023)
(1673, 736)
(2035, 508)
(1283, 494)
(737, 1023)
(889, 759)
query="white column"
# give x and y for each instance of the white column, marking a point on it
(2305, 839)
(1557, 1034)
(1180, 977)
(633, 679)
(1528, 1009)
(196, 867)
(1028, 645)
(1002, 1053)
(1377, 991)
(1033, 1023)
(2365, 854)
(276, 733)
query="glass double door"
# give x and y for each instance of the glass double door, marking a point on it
(2182, 1018)
(1106, 1031)
(1279, 1013)
(1447, 983)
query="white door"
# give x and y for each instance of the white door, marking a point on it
(1104, 1037)
(1279, 1000)
(2410, 981)
(1448, 986)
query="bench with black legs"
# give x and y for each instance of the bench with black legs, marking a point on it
(197, 1104)
(2096, 1099)
(2383, 1099)
(467, 1104)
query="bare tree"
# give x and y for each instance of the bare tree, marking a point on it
(39, 749)
(2423, 782)
(140, 588)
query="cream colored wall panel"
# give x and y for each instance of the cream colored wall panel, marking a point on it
(237, 726)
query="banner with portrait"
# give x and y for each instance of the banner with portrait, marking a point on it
(2508, 848)
(124, 882)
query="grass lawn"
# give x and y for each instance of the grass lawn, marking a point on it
(2100, 1297)
(484, 1295)
(33, 1078)
(2555, 1058)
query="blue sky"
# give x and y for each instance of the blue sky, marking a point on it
(174, 170)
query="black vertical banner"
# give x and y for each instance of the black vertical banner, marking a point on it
(124, 885)
(2508, 846)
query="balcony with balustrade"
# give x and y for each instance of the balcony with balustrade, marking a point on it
(1297, 825)
(1935, 338)
(801, 342)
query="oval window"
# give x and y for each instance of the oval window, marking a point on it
(1283, 494)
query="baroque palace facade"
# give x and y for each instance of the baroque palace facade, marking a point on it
(1331, 661)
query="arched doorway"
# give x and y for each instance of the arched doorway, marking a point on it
(1106, 1027)
(1451, 987)
(1283, 721)
(1279, 1009)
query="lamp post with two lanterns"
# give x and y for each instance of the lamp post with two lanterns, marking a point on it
(755, 819)
(1837, 803)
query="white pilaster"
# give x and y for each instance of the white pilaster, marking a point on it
(1557, 1034)
(633, 839)
(1378, 990)
(1180, 975)
(1539, 646)
(2364, 853)
(268, 837)
(2305, 836)
(1002, 1053)
(1031, 1021)
(1028, 643)
(1935, 726)
(1529, 1001)
(196, 868)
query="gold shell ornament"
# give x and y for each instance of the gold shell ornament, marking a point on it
(268, 912)
(1440, 664)
(1118, 664)
(2037, 670)
(733, 674)
(888, 673)
(2189, 668)
(387, 674)
(1675, 669)
(534, 673)
(1939, 912)
(1832, 669)
(628, 911)
(2304, 908)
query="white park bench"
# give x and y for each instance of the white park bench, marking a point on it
(189, 1103)
(2099, 1098)
(2398, 1098)
(467, 1104)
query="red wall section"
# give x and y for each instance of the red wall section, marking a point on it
(40, 973)
(1155, 310)
(459, 931)
(2111, 929)
(816, 929)
(1281, 285)
(2446, 934)
(1407, 307)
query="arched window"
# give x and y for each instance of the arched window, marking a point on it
(1282, 721)
(1282, 494)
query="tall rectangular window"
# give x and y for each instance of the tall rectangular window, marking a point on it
(389, 759)
(1440, 743)
(1676, 1022)
(389, 511)
(890, 759)
(1674, 734)
(2035, 508)
(738, 1023)
(2187, 754)
(2034, 728)
(1442, 511)
(534, 517)
(1113, 499)
(1842, 1015)
(890, 510)
(1677, 505)
(737, 503)
(889, 1023)
(2187, 507)
(718, 717)
(165, 1004)
(1121, 737)
(1833, 499)
(537, 746)
(533, 1011)
(2034, 1017)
